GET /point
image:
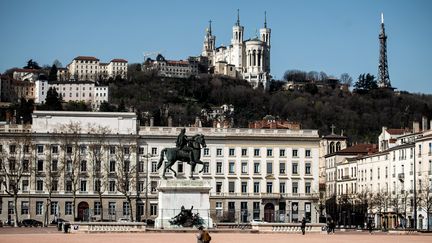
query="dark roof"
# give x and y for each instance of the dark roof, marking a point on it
(118, 60)
(334, 136)
(71, 82)
(86, 58)
(358, 149)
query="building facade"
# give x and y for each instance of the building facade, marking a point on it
(80, 157)
(90, 68)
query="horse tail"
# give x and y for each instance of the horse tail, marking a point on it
(163, 151)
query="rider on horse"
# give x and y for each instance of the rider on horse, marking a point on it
(182, 143)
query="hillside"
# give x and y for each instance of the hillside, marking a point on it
(359, 115)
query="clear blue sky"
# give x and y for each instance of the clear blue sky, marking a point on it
(334, 36)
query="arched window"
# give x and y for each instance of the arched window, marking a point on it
(338, 146)
(254, 57)
(332, 147)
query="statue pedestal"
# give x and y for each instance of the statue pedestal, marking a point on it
(173, 194)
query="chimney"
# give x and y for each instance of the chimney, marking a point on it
(424, 123)
(416, 127)
(151, 121)
(169, 121)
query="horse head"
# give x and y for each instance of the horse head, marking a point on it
(199, 138)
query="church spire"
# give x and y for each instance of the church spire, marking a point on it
(209, 29)
(265, 19)
(238, 17)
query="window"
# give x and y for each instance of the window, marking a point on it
(54, 149)
(154, 151)
(25, 164)
(97, 185)
(54, 185)
(126, 150)
(256, 152)
(219, 167)
(39, 148)
(206, 167)
(141, 166)
(231, 152)
(219, 152)
(25, 185)
(282, 153)
(112, 150)
(294, 153)
(83, 166)
(54, 165)
(40, 165)
(111, 186)
(12, 148)
(83, 186)
(244, 187)
(153, 209)
(12, 163)
(244, 169)
(231, 167)
(219, 209)
(269, 187)
(39, 208)
(256, 187)
(97, 208)
(308, 153)
(54, 208)
(244, 152)
(307, 187)
(231, 186)
(294, 168)
(256, 210)
(206, 152)
(282, 168)
(68, 149)
(153, 186)
(294, 187)
(68, 186)
(111, 208)
(39, 185)
(307, 169)
(269, 168)
(269, 152)
(112, 166)
(154, 167)
(24, 207)
(282, 187)
(218, 187)
(256, 167)
(126, 208)
(140, 149)
(69, 166)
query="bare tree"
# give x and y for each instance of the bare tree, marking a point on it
(126, 170)
(426, 199)
(16, 165)
(51, 176)
(346, 79)
(69, 139)
(97, 148)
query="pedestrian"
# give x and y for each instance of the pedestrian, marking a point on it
(369, 227)
(203, 236)
(328, 226)
(303, 226)
(332, 226)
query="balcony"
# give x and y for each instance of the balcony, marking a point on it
(401, 176)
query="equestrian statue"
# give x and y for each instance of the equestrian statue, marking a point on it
(187, 150)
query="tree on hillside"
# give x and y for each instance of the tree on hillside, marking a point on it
(346, 79)
(53, 73)
(57, 63)
(53, 102)
(32, 65)
(365, 83)
(24, 110)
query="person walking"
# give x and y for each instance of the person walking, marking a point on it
(303, 226)
(203, 236)
(332, 226)
(369, 227)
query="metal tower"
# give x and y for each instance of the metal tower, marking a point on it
(383, 74)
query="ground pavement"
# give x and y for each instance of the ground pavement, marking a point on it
(50, 235)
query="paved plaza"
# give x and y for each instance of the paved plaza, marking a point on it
(50, 235)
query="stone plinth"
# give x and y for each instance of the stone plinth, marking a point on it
(173, 194)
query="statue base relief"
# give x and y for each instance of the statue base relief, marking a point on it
(173, 194)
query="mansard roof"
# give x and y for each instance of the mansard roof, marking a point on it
(86, 58)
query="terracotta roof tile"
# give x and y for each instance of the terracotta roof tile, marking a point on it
(359, 149)
(395, 131)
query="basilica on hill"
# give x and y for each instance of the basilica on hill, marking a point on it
(248, 59)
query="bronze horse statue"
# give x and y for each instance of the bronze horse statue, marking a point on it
(175, 154)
